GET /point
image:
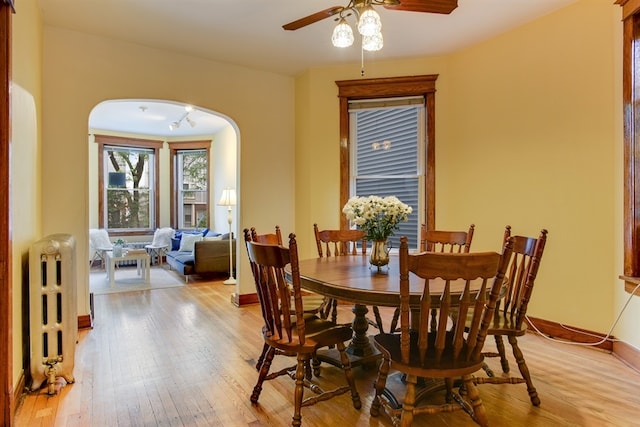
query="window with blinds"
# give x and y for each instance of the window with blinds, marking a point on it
(388, 139)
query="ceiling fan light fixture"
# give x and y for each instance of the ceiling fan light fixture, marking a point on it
(342, 34)
(369, 22)
(372, 43)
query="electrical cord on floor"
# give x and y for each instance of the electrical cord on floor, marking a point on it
(605, 338)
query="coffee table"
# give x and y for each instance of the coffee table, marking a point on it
(142, 259)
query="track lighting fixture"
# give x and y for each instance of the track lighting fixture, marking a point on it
(185, 117)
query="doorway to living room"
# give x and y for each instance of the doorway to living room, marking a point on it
(135, 139)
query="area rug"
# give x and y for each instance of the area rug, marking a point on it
(127, 280)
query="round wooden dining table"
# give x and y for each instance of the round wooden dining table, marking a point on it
(351, 278)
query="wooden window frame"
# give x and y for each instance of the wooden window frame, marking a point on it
(631, 120)
(425, 86)
(125, 142)
(174, 147)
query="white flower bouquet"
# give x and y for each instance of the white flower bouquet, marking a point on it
(378, 217)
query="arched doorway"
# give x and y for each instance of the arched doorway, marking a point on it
(169, 124)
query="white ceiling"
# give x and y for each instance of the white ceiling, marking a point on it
(148, 117)
(249, 32)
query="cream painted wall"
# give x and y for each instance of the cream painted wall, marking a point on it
(83, 70)
(317, 138)
(25, 210)
(527, 134)
(224, 161)
(539, 114)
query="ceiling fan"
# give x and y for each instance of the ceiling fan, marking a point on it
(428, 6)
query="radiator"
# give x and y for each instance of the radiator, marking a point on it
(53, 310)
(132, 245)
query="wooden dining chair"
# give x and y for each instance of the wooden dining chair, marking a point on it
(510, 316)
(332, 242)
(446, 241)
(440, 241)
(451, 349)
(311, 302)
(290, 332)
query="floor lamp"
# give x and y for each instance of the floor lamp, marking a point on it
(228, 199)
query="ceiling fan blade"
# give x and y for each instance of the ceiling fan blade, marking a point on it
(318, 16)
(429, 6)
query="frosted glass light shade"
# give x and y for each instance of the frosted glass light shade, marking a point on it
(372, 43)
(342, 34)
(369, 23)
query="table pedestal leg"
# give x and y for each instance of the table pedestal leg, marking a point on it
(360, 345)
(360, 350)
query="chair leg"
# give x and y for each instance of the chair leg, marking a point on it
(378, 322)
(348, 373)
(394, 321)
(265, 347)
(315, 363)
(380, 384)
(409, 402)
(334, 310)
(264, 371)
(503, 357)
(478, 412)
(307, 369)
(434, 319)
(449, 387)
(524, 370)
(299, 391)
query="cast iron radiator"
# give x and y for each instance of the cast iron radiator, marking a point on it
(53, 310)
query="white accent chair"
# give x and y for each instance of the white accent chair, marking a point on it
(160, 244)
(99, 244)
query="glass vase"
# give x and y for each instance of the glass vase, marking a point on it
(117, 250)
(379, 254)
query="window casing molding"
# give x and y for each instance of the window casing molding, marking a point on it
(125, 142)
(174, 147)
(631, 120)
(425, 86)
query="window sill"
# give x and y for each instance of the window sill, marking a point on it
(631, 283)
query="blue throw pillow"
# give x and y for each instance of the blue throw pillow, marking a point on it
(175, 241)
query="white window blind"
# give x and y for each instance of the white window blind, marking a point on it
(386, 158)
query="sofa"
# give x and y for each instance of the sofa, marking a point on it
(207, 255)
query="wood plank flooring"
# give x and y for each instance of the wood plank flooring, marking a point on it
(185, 357)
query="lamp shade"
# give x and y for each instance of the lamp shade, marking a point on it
(228, 197)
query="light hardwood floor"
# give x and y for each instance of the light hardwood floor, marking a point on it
(185, 357)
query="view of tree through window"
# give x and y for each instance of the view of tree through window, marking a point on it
(129, 188)
(193, 175)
